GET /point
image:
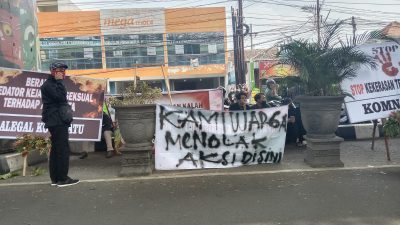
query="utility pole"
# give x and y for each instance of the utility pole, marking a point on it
(251, 36)
(353, 23)
(235, 47)
(242, 63)
(318, 23)
(238, 43)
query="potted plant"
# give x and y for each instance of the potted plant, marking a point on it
(322, 67)
(30, 142)
(135, 113)
(392, 126)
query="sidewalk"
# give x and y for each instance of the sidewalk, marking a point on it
(354, 154)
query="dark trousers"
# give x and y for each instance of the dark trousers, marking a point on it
(299, 123)
(295, 130)
(59, 155)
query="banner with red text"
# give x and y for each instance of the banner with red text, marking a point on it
(211, 99)
(21, 104)
(197, 139)
(375, 93)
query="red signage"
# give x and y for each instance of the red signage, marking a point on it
(201, 99)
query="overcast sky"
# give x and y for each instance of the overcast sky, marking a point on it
(275, 20)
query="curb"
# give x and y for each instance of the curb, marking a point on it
(359, 131)
(13, 161)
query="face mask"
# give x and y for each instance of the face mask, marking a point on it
(55, 73)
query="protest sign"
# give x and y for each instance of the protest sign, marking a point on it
(375, 93)
(21, 104)
(196, 139)
(210, 99)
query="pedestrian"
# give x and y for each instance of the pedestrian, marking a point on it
(261, 102)
(57, 117)
(107, 131)
(241, 102)
(271, 92)
(295, 130)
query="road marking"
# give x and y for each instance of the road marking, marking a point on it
(212, 174)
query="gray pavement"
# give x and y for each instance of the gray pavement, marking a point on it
(364, 192)
(335, 197)
(354, 154)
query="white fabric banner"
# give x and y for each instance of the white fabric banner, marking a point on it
(376, 93)
(212, 49)
(197, 139)
(151, 50)
(179, 49)
(88, 53)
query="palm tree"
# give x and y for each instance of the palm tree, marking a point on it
(322, 67)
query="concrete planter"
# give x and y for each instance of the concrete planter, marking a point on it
(14, 161)
(137, 126)
(320, 116)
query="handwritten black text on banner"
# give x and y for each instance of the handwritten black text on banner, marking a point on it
(195, 139)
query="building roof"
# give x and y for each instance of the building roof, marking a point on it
(392, 30)
(257, 54)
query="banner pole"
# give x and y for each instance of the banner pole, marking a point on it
(167, 84)
(373, 133)
(386, 142)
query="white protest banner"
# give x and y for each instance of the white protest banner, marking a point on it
(196, 139)
(376, 93)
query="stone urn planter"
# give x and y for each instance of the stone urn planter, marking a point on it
(322, 67)
(137, 124)
(320, 116)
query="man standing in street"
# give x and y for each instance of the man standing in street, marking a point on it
(57, 117)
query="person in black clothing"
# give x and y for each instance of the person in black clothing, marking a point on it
(295, 130)
(107, 130)
(226, 100)
(54, 99)
(241, 102)
(261, 102)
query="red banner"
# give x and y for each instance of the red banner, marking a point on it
(201, 99)
(21, 104)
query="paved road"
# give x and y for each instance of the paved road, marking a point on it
(325, 197)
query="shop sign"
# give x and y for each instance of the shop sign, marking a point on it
(132, 21)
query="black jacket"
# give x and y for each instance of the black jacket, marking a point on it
(54, 95)
(236, 106)
(255, 106)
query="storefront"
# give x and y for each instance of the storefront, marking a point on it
(123, 45)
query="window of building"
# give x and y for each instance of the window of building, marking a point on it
(207, 47)
(127, 51)
(78, 53)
